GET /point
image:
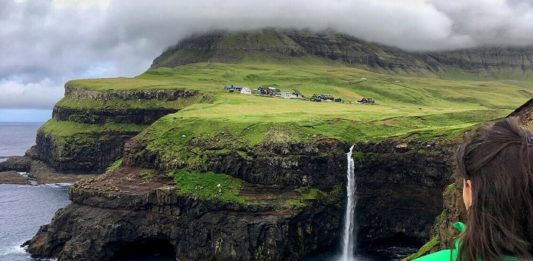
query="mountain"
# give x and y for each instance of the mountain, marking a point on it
(293, 46)
(197, 172)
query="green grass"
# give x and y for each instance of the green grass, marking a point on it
(225, 188)
(407, 106)
(114, 166)
(207, 186)
(309, 194)
(147, 174)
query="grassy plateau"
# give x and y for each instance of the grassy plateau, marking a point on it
(407, 106)
(421, 107)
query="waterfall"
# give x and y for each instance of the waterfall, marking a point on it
(348, 238)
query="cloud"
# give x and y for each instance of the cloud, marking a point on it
(44, 43)
(14, 94)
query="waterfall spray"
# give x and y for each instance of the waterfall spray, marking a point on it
(348, 238)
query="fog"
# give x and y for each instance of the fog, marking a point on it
(45, 43)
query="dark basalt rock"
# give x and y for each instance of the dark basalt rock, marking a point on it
(16, 163)
(94, 152)
(81, 153)
(399, 190)
(107, 216)
(161, 95)
(321, 163)
(100, 116)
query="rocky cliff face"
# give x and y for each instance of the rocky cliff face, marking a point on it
(90, 152)
(399, 187)
(89, 128)
(484, 58)
(124, 209)
(108, 217)
(284, 45)
(319, 164)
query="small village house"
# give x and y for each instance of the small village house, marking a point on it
(233, 88)
(246, 90)
(295, 94)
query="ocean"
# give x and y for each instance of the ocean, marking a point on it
(23, 208)
(16, 138)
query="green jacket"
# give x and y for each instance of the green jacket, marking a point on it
(451, 254)
(446, 254)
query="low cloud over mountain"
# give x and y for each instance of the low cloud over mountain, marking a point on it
(44, 43)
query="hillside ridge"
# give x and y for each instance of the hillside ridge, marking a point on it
(301, 46)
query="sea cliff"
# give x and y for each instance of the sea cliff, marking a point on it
(199, 172)
(276, 217)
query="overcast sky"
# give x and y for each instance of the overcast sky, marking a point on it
(44, 43)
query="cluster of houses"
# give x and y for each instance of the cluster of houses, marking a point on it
(324, 97)
(273, 91)
(265, 91)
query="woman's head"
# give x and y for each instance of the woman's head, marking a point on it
(497, 165)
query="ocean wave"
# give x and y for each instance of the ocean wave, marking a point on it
(58, 185)
(18, 253)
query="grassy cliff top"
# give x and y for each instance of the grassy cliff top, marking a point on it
(404, 103)
(406, 106)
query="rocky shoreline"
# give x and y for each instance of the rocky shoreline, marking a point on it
(23, 170)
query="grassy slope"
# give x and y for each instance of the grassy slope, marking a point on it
(429, 106)
(407, 106)
(417, 107)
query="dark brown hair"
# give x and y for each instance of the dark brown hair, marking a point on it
(498, 160)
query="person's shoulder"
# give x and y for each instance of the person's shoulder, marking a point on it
(446, 254)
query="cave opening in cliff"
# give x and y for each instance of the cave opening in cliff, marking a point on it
(156, 250)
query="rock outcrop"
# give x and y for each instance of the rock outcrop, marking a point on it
(90, 152)
(123, 210)
(399, 190)
(16, 163)
(99, 129)
(109, 216)
(318, 164)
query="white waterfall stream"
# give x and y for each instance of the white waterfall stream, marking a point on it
(348, 237)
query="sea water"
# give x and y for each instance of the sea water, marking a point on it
(16, 138)
(23, 209)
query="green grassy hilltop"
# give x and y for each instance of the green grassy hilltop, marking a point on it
(419, 96)
(405, 105)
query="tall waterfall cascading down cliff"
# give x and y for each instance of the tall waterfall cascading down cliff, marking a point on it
(348, 238)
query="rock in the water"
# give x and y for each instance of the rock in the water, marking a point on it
(12, 177)
(16, 163)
